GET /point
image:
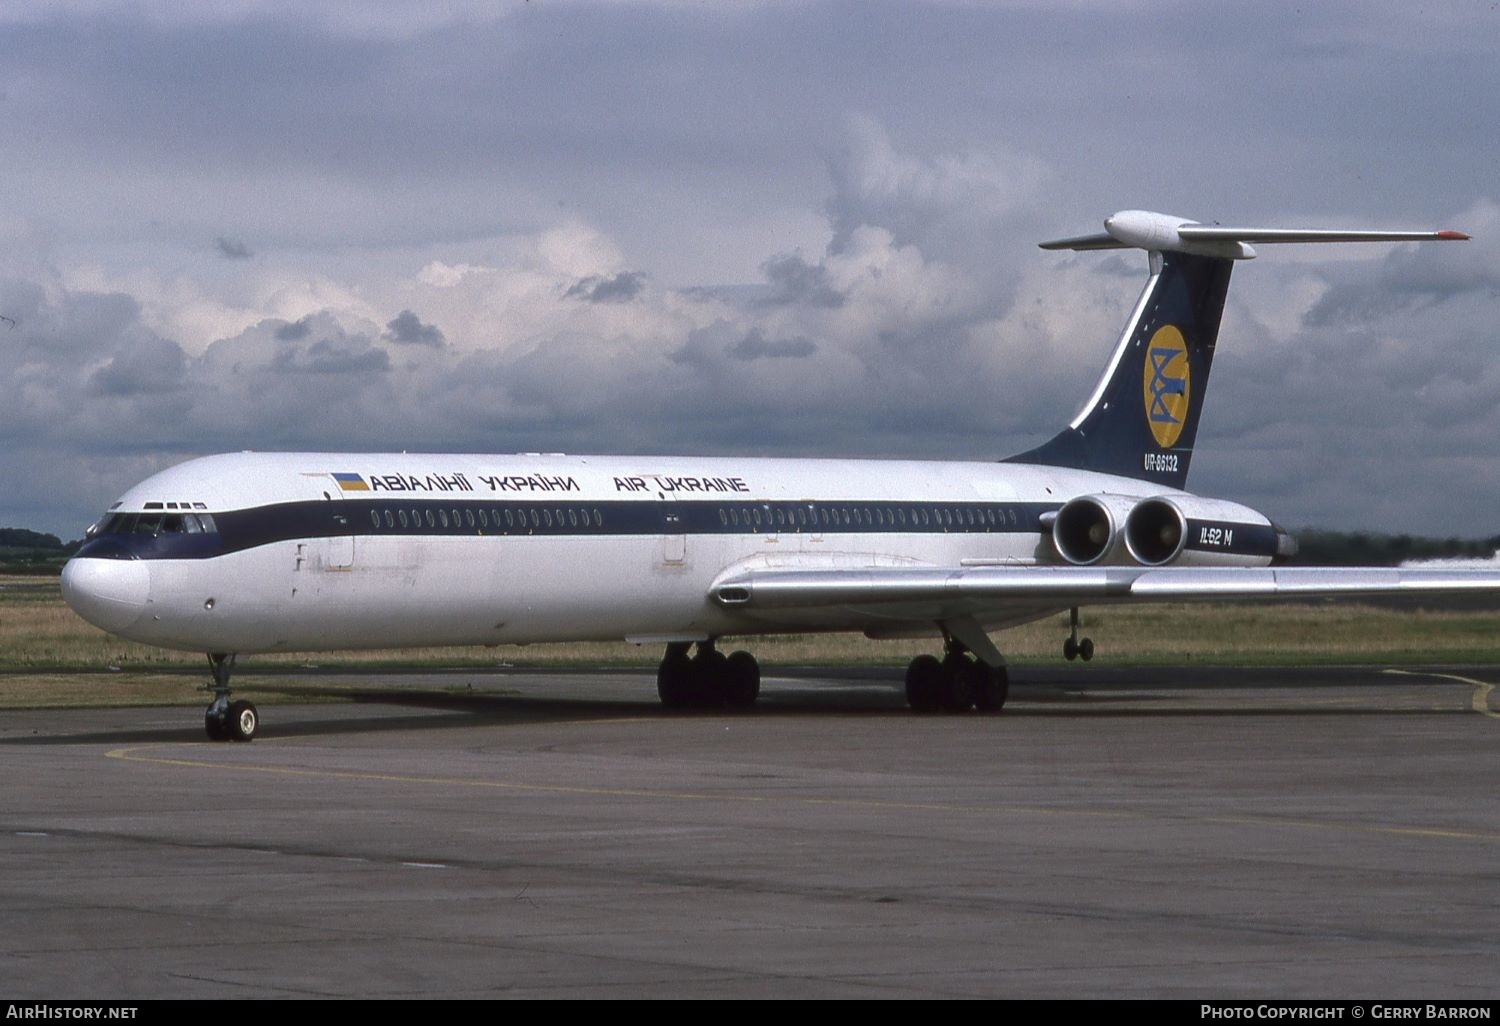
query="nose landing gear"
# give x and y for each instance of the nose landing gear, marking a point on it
(225, 720)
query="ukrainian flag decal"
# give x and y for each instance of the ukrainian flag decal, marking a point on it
(351, 483)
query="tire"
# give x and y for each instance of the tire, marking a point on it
(243, 721)
(991, 697)
(965, 681)
(674, 682)
(924, 682)
(710, 678)
(213, 726)
(741, 680)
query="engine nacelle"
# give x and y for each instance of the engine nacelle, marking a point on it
(1185, 530)
(1087, 529)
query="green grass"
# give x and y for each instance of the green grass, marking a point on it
(49, 657)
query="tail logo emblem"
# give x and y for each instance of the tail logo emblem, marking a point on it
(1167, 380)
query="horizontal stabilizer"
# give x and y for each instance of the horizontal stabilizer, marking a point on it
(1143, 229)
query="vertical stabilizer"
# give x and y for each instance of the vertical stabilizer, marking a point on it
(1142, 419)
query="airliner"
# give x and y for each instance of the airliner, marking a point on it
(272, 552)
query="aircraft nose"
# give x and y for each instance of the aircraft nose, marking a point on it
(111, 594)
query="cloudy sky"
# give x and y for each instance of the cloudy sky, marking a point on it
(773, 228)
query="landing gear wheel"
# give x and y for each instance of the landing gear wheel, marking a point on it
(995, 690)
(243, 722)
(674, 680)
(965, 679)
(1073, 648)
(709, 674)
(221, 721)
(741, 680)
(924, 684)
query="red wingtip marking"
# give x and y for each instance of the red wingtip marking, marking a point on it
(1456, 236)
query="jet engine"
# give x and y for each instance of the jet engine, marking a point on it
(1186, 530)
(1087, 529)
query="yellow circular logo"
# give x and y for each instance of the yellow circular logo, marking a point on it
(1167, 380)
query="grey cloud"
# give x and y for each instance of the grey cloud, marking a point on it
(407, 328)
(152, 366)
(621, 288)
(232, 249)
(292, 331)
(755, 347)
(347, 356)
(794, 280)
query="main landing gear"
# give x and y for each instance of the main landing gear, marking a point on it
(708, 679)
(1073, 648)
(225, 720)
(956, 683)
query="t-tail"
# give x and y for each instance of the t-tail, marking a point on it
(1142, 419)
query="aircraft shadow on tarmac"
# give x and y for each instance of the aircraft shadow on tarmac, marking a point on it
(798, 691)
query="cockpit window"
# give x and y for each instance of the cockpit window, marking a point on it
(154, 524)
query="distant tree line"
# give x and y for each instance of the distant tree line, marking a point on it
(22, 550)
(1340, 548)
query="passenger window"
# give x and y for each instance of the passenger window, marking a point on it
(443, 517)
(401, 515)
(598, 518)
(547, 517)
(431, 519)
(375, 519)
(469, 518)
(390, 521)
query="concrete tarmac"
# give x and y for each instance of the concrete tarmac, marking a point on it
(1171, 832)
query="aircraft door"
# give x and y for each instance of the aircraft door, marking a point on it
(332, 547)
(339, 549)
(674, 535)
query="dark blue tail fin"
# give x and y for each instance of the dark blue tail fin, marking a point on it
(1142, 418)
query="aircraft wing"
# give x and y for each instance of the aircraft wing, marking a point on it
(948, 591)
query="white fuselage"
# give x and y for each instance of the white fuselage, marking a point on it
(566, 547)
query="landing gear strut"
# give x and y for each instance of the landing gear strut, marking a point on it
(956, 683)
(225, 720)
(1073, 648)
(708, 679)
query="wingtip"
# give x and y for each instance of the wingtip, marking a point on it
(1454, 236)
